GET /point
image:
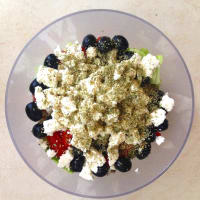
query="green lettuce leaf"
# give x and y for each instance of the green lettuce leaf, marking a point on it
(160, 58)
(156, 77)
(156, 74)
(36, 69)
(142, 52)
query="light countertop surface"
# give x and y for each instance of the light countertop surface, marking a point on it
(20, 20)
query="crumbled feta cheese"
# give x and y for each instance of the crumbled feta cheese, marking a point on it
(167, 103)
(68, 105)
(76, 128)
(160, 140)
(134, 87)
(110, 118)
(135, 59)
(113, 103)
(80, 138)
(111, 56)
(91, 52)
(52, 99)
(43, 144)
(133, 137)
(149, 63)
(81, 141)
(58, 52)
(75, 50)
(95, 159)
(65, 159)
(88, 85)
(136, 170)
(48, 76)
(51, 153)
(66, 77)
(51, 126)
(97, 116)
(158, 116)
(96, 132)
(116, 76)
(40, 98)
(116, 139)
(86, 172)
(113, 155)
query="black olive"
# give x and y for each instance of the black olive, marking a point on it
(102, 171)
(163, 126)
(77, 152)
(104, 45)
(34, 84)
(38, 131)
(51, 61)
(151, 137)
(76, 164)
(120, 42)
(89, 41)
(33, 112)
(123, 164)
(144, 152)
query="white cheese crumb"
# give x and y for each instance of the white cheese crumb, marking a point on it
(51, 126)
(149, 63)
(137, 170)
(116, 76)
(43, 144)
(68, 106)
(116, 139)
(133, 137)
(113, 152)
(65, 160)
(160, 140)
(80, 139)
(95, 159)
(113, 155)
(158, 116)
(51, 153)
(134, 87)
(97, 116)
(88, 85)
(40, 98)
(167, 103)
(135, 59)
(86, 172)
(58, 52)
(48, 76)
(91, 52)
(75, 50)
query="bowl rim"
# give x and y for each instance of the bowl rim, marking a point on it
(88, 11)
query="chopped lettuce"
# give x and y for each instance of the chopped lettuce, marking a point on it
(156, 74)
(160, 58)
(36, 69)
(55, 159)
(70, 43)
(68, 170)
(155, 79)
(142, 52)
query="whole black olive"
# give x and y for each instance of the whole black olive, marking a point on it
(123, 164)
